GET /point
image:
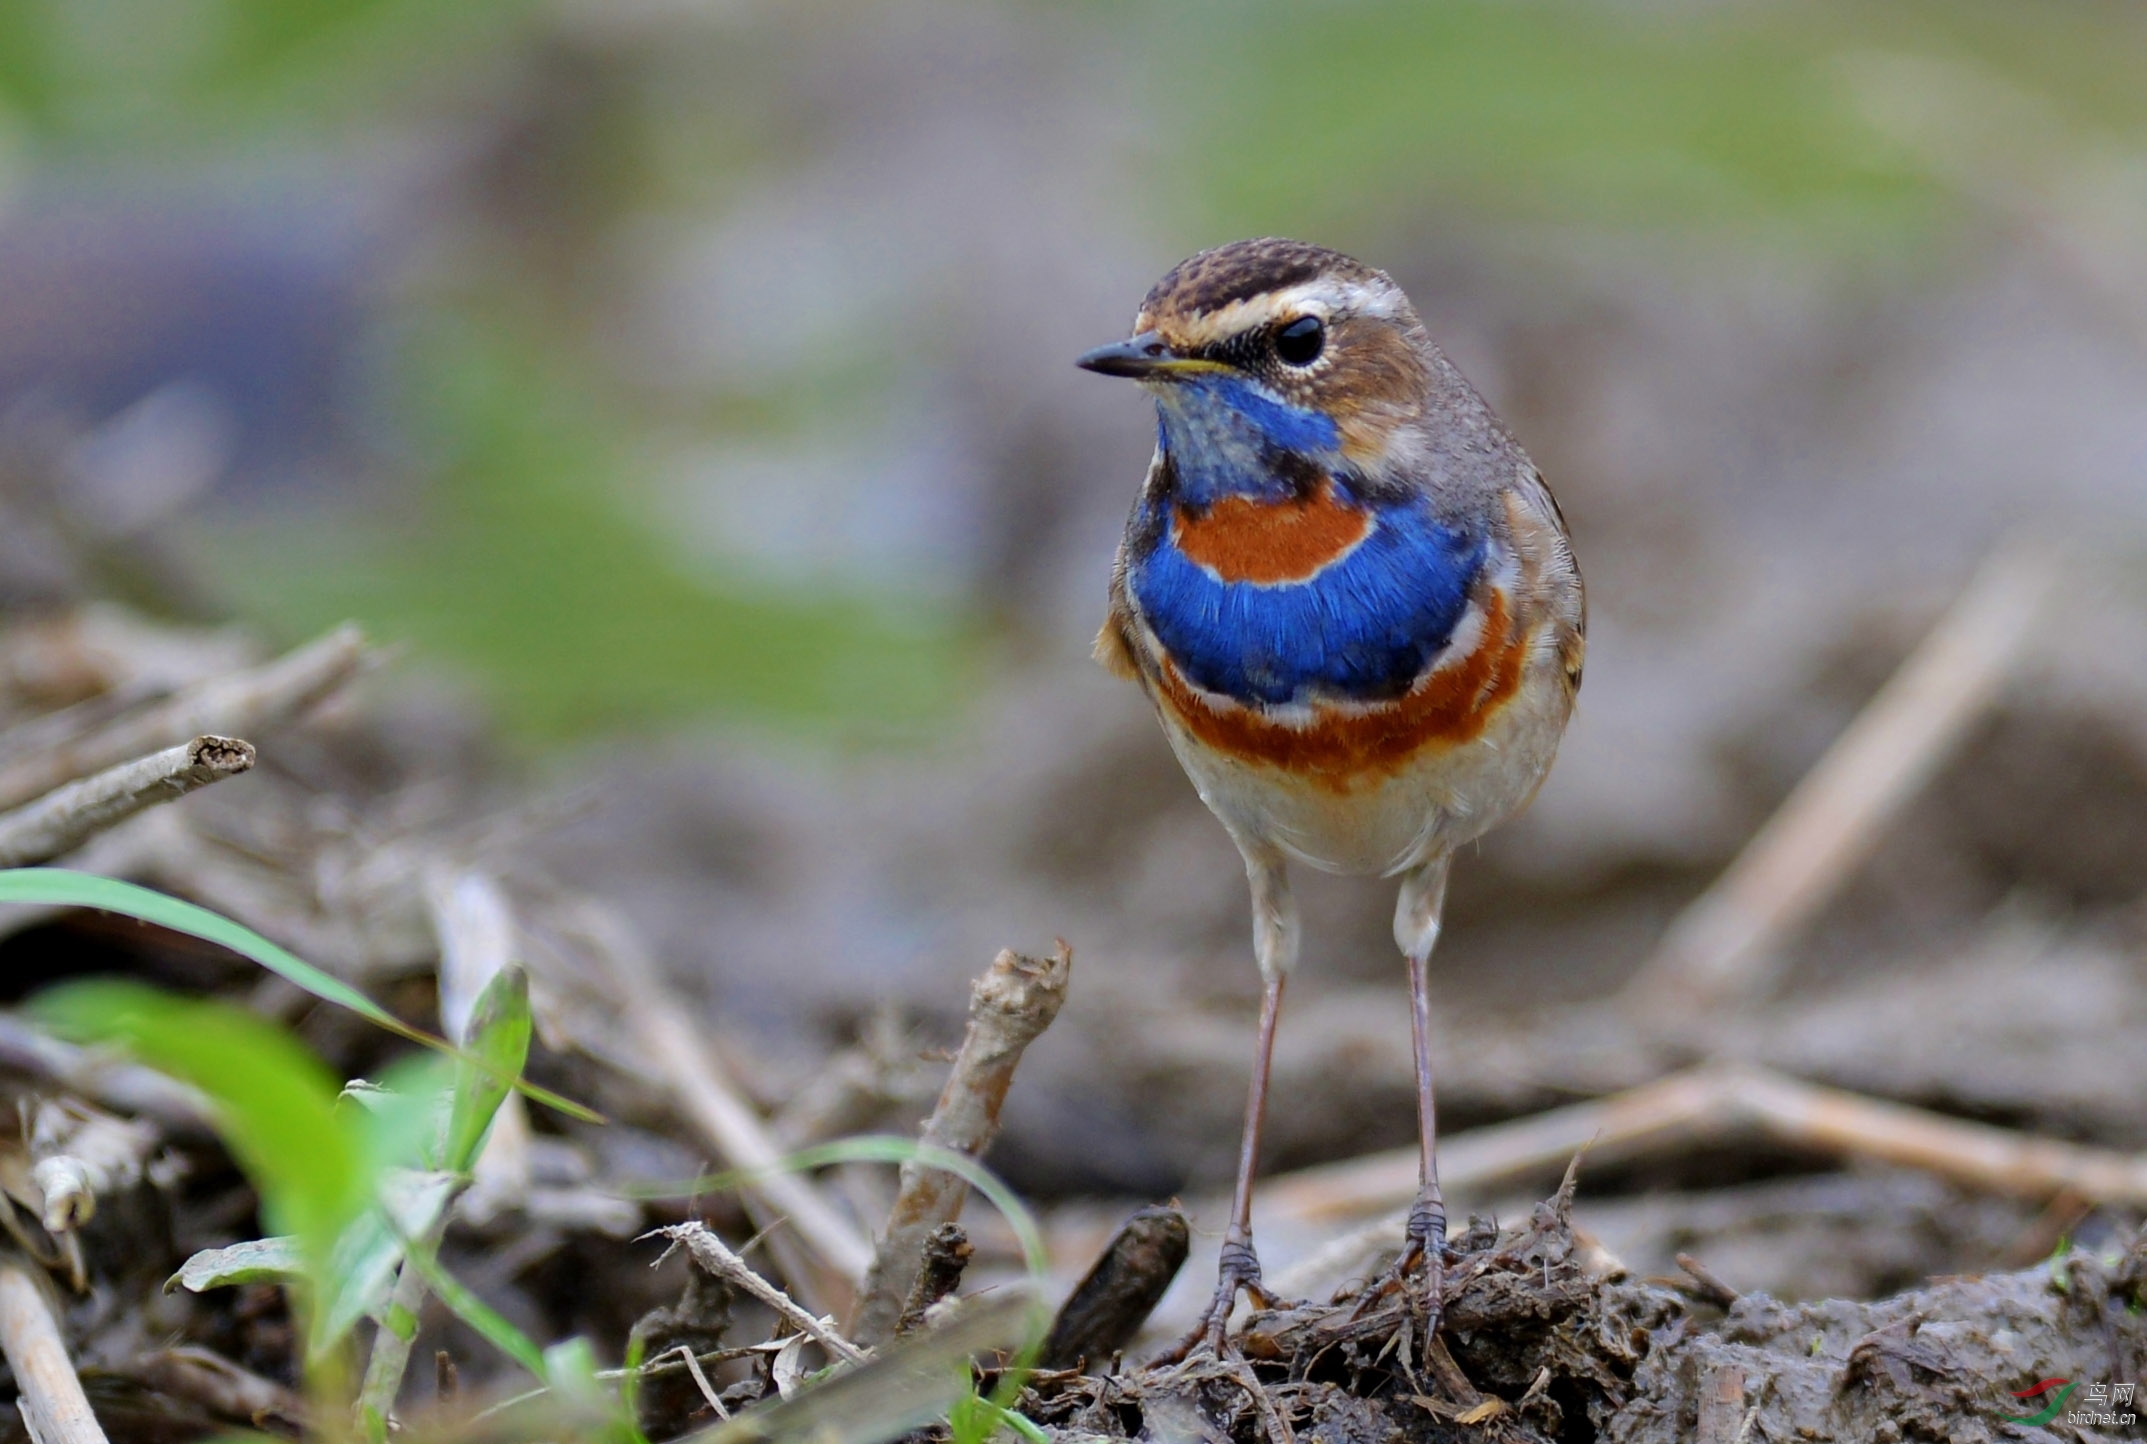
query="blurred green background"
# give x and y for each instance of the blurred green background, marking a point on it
(803, 508)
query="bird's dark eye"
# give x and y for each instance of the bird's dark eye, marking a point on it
(1300, 342)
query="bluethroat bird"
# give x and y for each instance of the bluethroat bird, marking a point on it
(1353, 602)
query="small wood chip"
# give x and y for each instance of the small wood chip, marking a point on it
(1109, 1305)
(53, 1405)
(1705, 1285)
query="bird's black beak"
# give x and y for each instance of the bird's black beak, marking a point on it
(1140, 357)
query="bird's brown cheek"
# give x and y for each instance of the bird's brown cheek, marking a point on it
(1372, 366)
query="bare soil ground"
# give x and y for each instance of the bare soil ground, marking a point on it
(1841, 1200)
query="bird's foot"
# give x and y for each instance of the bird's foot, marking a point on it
(1423, 1252)
(1240, 1272)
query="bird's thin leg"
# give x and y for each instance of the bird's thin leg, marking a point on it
(1240, 1265)
(1416, 929)
(1274, 930)
(1426, 1234)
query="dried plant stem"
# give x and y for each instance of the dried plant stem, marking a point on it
(700, 1379)
(686, 1064)
(187, 1371)
(93, 1073)
(1277, 1428)
(53, 1405)
(247, 702)
(1713, 1102)
(1009, 1006)
(1726, 944)
(64, 819)
(713, 1254)
(908, 1385)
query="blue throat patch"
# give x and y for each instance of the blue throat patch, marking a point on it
(1224, 432)
(1363, 629)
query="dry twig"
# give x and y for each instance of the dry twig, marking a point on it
(121, 1087)
(688, 1066)
(1713, 1102)
(64, 819)
(713, 1254)
(248, 702)
(1706, 1285)
(1009, 1006)
(910, 1384)
(1998, 1159)
(214, 1382)
(1277, 1428)
(700, 1381)
(52, 1403)
(1726, 944)
(1665, 1111)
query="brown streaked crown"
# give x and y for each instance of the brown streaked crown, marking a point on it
(1241, 270)
(1244, 269)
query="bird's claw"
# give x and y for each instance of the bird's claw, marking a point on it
(1239, 1272)
(1429, 1295)
(1424, 1242)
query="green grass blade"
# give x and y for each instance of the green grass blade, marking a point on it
(275, 1102)
(475, 1312)
(54, 886)
(498, 1036)
(362, 1268)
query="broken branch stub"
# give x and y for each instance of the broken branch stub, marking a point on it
(64, 819)
(947, 1252)
(1009, 1007)
(248, 702)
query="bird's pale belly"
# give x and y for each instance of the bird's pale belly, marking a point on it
(1388, 818)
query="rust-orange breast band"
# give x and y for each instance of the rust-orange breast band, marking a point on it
(1270, 543)
(1450, 705)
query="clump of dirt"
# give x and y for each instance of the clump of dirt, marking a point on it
(1539, 1346)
